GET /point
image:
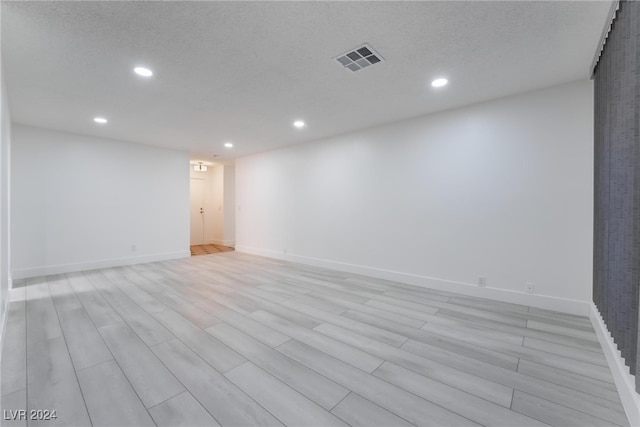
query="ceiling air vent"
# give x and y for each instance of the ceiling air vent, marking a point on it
(359, 58)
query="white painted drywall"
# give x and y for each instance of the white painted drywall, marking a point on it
(81, 202)
(501, 189)
(229, 205)
(5, 255)
(218, 204)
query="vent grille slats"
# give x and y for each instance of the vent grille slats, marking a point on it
(361, 57)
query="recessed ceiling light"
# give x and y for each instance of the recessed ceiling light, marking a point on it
(299, 124)
(143, 71)
(228, 144)
(100, 120)
(439, 82)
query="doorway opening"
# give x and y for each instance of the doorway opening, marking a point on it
(212, 207)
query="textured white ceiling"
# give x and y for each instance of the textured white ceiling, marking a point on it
(243, 71)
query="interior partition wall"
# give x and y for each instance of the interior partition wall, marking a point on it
(617, 182)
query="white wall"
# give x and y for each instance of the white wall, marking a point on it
(81, 202)
(229, 205)
(5, 256)
(501, 189)
(218, 204)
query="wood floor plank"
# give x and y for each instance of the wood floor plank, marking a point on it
(286, 404)
(239, 285)
(145, 300)
(283, 290)
(359, 412)
(85, 344)
(566, 351)
(411, 304)
(11, 404)
(478, 386)
(249, 326)
(17, 308)
(193, 314)
(101, 313)
(313, 299)
(450, 323)
(324, 288)
(210, 349)
(576, 366)
(487, 304)
(565, 396)
(237, 303)
(514, 314)
(447, 343)
(52, 383)
(465, 312)
(148, 376)
(42, 319)
(580, 324)
(554, 414)
(222, 399)
(563, 330)
(377, 284)
(147, 328)
(13, 373)
(302, 319)
(559, 315)
(345, 348)
(389, 286)
(551, 335)
(63, 296)
(150, 278)
(319, 302)
(339, 350)
(182, 411)
(379, 334)
(319, 389)
(480, 317)
(578, 382)
(110, 398)
(479, 410)
(394, 399)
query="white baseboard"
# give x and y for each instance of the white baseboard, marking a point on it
(92, 265)
(625, 382)
(230, 243)
(504, 295)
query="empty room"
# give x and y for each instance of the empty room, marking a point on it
(318, 213)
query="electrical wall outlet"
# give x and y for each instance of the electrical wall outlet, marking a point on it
(133, 248)
(530, 288)
(482, 281)
(284, 251)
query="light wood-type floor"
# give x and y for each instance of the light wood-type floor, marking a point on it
(237, 340)
(209, 249)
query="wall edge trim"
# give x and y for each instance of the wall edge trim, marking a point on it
(624, 381)
(503, 295)
(4, 320)
(93, 265)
